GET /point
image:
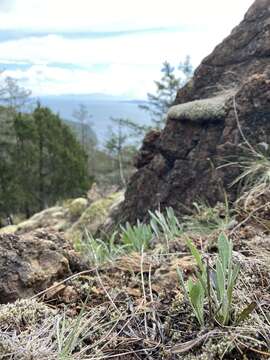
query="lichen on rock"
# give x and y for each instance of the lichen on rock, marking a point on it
(211, 109)
(27, 331)
(23, 313)
(93, 217)
(77, 207)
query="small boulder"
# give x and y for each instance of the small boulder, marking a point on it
(31, 262)
(94, 217)
(77, 207)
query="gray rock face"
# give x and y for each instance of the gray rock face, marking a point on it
(180, 164)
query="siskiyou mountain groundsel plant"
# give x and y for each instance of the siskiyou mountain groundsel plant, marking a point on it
(136, 237)
(212, 289)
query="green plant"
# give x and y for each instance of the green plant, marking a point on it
(214, 284)
(136, 237)
(100, 251)
(165, 225)
(71, 334)
(157, 104)
(197, 297)
(206, 219)
(224, 280)
(196, 290)
(67, 340)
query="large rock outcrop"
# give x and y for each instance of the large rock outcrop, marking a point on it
(229, 92)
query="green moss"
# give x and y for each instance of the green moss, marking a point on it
(10, 229)
(77, 207)
(48, 217)
(212, 109)
(93, 217)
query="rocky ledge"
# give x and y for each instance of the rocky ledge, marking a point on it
(225, 104)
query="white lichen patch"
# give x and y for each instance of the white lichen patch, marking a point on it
(23, 313)
(211, 109)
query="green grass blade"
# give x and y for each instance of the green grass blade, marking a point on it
(224, 250)
(196, 254)
(196, 295)
(181, 280)
(220, 280)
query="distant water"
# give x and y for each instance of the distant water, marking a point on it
(100, 109)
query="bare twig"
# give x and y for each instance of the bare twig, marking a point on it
(85, 272)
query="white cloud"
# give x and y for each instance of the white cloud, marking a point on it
(110, 15)
(116, 79)
(143, 49)
(6, 5)
(133, 61)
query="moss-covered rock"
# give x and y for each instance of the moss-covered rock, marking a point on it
(23, 313)
(53, 217)
(59, 218)
(27, 331)
(77, 207)
(93, 217)
(10, 229)
(72, 217)
(211, 109)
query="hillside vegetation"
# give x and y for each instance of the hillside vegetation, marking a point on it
(41, 162)
(165, 256)
(157, 290)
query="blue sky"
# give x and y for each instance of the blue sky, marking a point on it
(114, 47)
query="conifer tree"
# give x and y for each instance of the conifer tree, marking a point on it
(62, 163)
(45, 163)
(12, 98)
(166, 88)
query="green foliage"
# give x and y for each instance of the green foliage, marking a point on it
(225, 277)
(214, 284)
(71, 333)
(100, 251)
(86, 135)
(43, 163)
(12, 95)
(197, 256)
(166, 89)
(126, 239)
(137, 237)
(132, 237)
(197, 296)
(84, 129)
(206, 219)
(12, 98)
(165, 225)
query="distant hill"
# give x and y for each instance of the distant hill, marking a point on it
(101, 107)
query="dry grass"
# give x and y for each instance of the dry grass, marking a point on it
(131, 312)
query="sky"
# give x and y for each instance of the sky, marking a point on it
(114, 47)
